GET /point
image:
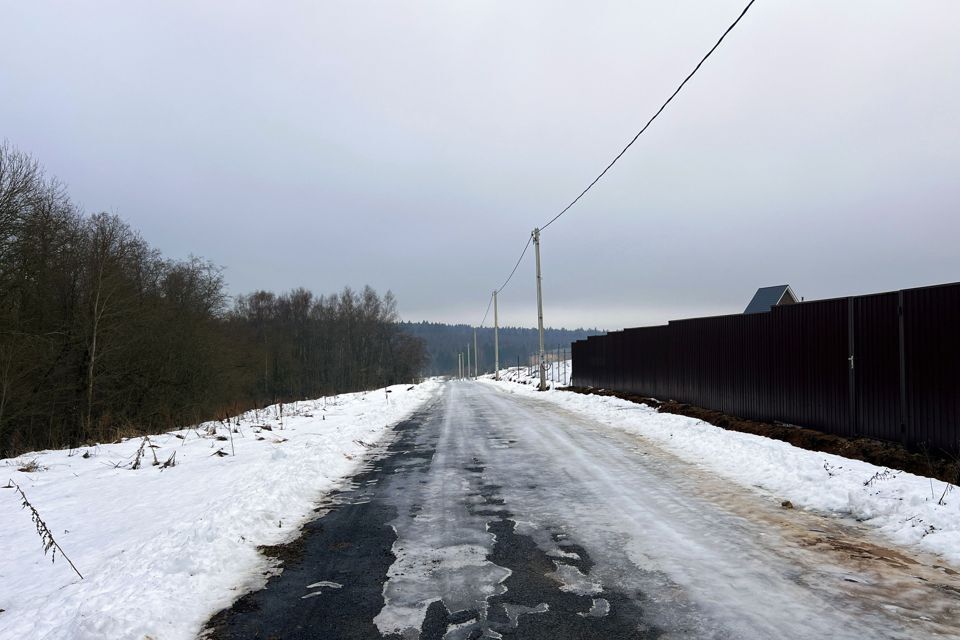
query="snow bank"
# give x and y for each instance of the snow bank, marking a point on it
(162, 549)
(557, 373)
(904, 507)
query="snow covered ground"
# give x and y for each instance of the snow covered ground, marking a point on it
(557, 374)
(905, 508)
(161, 549)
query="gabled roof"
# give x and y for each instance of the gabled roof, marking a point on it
(768, 297)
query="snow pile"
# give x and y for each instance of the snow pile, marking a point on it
(161, 549)
(906, 508)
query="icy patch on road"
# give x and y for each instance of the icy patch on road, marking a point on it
(325, 583)
(441, 548)
(573, 581)
(514, 611)
(598, 609)
(434, 567)
(317, 585)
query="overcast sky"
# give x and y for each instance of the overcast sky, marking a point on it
(414, 145)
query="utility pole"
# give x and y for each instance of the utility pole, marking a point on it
(543, 371)
(496, 340)
(467, 371)
(459, 365)
(476, 356)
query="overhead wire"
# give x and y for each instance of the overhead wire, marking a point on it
(519, 260)
(654, 117)
(507, 281)
(624, 150)
(485, 313)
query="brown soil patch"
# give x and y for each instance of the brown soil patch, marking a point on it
(884, 454)
(286, 553)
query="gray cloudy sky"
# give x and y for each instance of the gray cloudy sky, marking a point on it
(414, 145)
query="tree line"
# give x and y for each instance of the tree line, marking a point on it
(100, 335)
(445, 341)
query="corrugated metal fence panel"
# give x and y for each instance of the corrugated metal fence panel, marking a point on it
(754, 390)
(603, 368)
(618, 361)
(725, 361)
(877, 365)
(793, 365)
(685, 363)
(660, 371)
(931, 319)
(732, 367)
(577, 356)
(825, 401)
(637, 360)
(786, 365)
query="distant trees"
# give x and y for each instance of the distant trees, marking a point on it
(305, 345)
(445, 341)
(100, 334)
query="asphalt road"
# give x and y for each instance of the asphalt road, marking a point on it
(492, 515)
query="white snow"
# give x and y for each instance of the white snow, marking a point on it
(161, 550)
(557, 374)
(901, 506)
(316, 585)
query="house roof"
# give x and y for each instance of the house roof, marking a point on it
(768, 297)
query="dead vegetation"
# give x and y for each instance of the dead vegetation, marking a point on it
(31, 466)
(46, 538)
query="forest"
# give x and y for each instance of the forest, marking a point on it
(445, 341)
(101, 336)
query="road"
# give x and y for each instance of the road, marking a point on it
(493, 515)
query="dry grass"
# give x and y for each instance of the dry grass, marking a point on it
(32, 466)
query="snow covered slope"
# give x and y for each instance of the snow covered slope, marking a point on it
(904, 507)
(162, 549)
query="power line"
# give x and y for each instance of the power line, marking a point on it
(486, 312)
(522, 253)
(622, 151)
(650, 121)
(509, 278)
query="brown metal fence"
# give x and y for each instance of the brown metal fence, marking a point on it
(885, 366)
